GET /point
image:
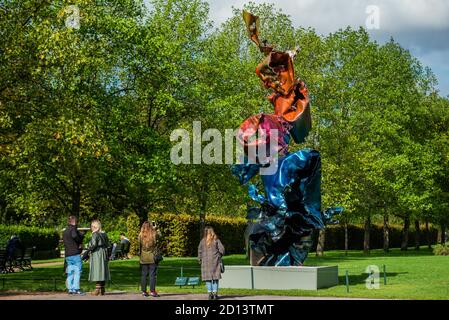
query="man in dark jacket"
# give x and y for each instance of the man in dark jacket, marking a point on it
(73, 241)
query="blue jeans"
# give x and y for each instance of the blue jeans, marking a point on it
(212, 286)
(74, 267)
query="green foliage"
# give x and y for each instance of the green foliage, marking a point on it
(133, 227)
(441, 250)
(86, 115)
(180, 233)
(42, 238)
(114, 236)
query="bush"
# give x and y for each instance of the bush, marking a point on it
(441, 250)
(180, 233)
(41, 238)
(231, 231)
(132, 224)
(114, 236)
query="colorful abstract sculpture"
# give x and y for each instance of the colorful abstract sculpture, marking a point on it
(281, 227)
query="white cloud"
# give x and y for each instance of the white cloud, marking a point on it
(329, 15)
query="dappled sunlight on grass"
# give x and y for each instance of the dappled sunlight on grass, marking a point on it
(410, 275)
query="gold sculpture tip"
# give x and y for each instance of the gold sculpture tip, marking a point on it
(252, 23)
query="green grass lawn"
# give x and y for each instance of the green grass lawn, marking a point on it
(410, 275)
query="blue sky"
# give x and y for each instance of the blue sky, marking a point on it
(422, 26)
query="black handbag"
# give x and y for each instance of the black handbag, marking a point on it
(158, 256)
(85, 256)
(222, 267)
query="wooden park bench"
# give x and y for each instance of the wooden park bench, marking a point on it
(118, 252)
(121, 251)
(3, 260)
(21, 259)
(27, 257)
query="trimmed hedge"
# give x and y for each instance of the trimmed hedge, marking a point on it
(42, 238)
(113, 236)
(132, 224)
(335, 237)
(180, 233)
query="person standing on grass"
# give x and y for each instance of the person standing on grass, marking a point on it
(73, 241)
(210, 251)
(99, 261)
(147, 252)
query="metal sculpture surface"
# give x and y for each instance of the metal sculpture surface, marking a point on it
(281, 227)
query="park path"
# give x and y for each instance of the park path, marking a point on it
(48, 264)
(121, 295)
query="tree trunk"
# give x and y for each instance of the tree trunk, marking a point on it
(439, 237)
(443, 235)
(367, 234)
(76, 200)
(386, 234)
(142, 213)
(429, 243)
(404, 244)
(346, 239)
(321, 240)
(417, 235)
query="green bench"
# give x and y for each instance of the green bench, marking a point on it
(187, 281)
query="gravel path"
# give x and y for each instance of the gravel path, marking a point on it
(121, 295)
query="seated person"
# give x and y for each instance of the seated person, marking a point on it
(124, 244)
(13, 244)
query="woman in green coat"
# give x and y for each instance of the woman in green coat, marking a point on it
(98, 247)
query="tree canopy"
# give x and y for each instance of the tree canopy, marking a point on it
(86, 112)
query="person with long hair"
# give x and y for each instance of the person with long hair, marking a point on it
(147, 252)
(99, 261)
(210, 251)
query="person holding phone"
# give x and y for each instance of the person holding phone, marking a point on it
(148, 250)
